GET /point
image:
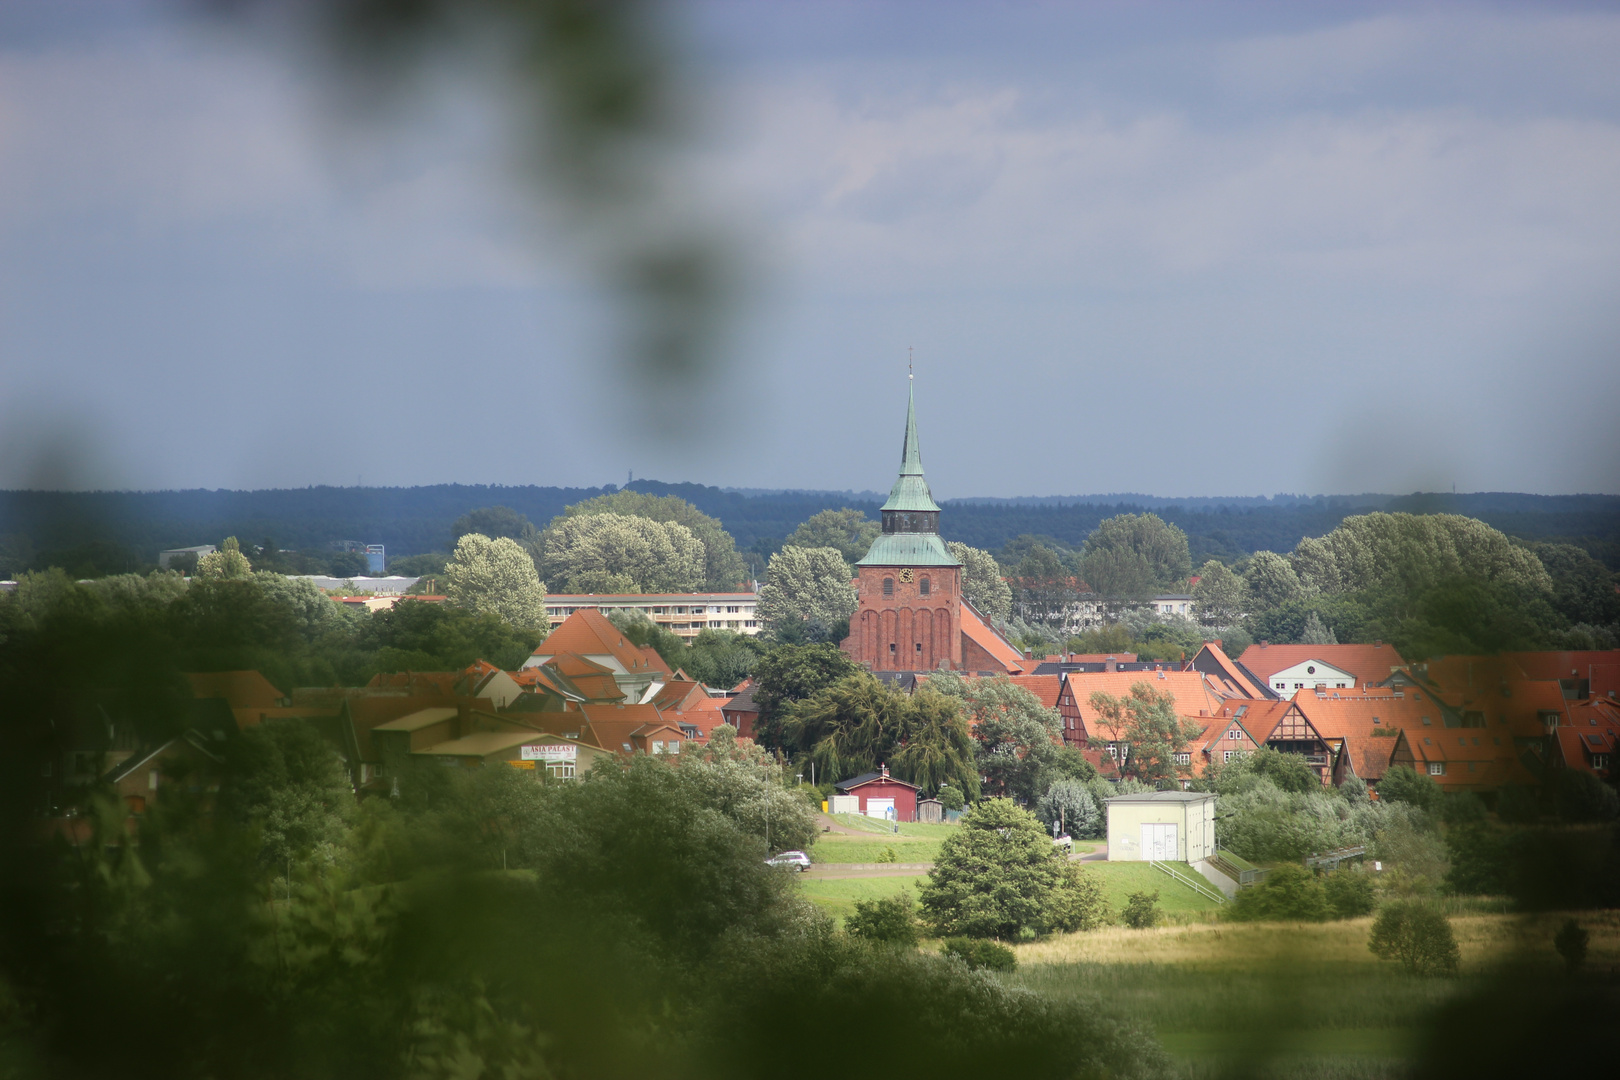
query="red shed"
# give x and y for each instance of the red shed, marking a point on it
(880, 793)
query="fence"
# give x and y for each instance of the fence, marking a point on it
(1238, 869)
(1196, 886)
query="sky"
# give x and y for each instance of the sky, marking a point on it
(1180, 249)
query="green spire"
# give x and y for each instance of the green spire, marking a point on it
(910, 492)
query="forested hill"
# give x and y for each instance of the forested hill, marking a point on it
(418, 519)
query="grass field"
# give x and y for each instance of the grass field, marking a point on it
(1120, 879)
(831, 848)
(1301, 999)
(837, 898)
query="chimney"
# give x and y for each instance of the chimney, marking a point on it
(1265, 644)
(885, 770)
(1378, 643)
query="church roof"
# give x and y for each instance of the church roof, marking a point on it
(910, 491)
(909, 549)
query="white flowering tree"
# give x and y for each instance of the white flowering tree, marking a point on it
(606, 553)
(809, 585)
(497, 577)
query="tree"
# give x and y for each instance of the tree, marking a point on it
(1316, 632)
(497, 577)
(286, 781)
(1402, 783)
(790, 673)
(1289, 772)
(492, 521)
(998, 876)
(1132, 556)
(1411, 553)
(1141, 910)
(807, 586)
(619, 553)
(1046, 589)
(1290, 893)
(1417, 935)
(1219, 594)
(937, 749)
(1069, 803)
(1016, 735)
(982, 583)
(886, 921)
(849, 532)
(1350, 893)
(227, 562)
(723, 569)
(1271, 581)
(1147, 722)
(859, 723)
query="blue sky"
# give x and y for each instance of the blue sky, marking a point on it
(1202, 249)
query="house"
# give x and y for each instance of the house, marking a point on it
(638, 671)
(684, 614)
(741, 713)
(187, 556)
(1161, 826)
(880, 795)
(1213, 661)
(189, 763)
(1287, 669)
(1195, 695)
(1172, 604)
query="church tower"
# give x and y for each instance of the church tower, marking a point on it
(909, 587)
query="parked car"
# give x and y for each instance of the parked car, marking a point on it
(793, 860)
(1063, 843)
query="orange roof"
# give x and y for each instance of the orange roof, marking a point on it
(1601, 668)
(589, 633)
(1239, 680)
(985, 637)
(416, 682)
(1368, 663)
(1192, 691)
(1045, 687)
(1096, 657)
(1367, 756)
(242, 689)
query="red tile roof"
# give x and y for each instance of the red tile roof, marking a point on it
(242, 689)
(1368, 663)
(1000, 649)
(588, 632)
(1192, 691)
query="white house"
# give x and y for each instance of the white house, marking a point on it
(1309, 675)
(1161, 826)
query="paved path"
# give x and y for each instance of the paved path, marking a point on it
(1100, 855)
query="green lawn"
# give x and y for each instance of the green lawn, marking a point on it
(1120, 879)
(831, 848)
(837, 898)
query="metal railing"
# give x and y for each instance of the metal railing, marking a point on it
(1331, 860)
(1239, 870)
(1196, 886)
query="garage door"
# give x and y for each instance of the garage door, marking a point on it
(883, 808)
(1159, 843)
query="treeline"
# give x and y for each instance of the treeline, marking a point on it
(94, 533)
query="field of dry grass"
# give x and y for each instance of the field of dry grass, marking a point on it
(1484, 940)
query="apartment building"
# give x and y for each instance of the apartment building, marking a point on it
(686, 614)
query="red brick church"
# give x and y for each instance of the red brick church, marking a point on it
(911, 614)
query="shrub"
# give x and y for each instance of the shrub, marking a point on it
(997, 876)
(1479, 862)
(1141, 910)
(888, 920)
(1571, 943)
(1518, 806)
(1583, 797)
(889, 855)
(1350, 893)
(1462, 808)
(1289, 893)
(1404, 784)
(1418, 936)
(986, 955)
(951, 798)
(1069, 803)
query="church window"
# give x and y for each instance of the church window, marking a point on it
(926, 586)
(888, 586)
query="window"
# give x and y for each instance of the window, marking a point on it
(888, 586)
(731, 609)
(1282, 686)
(1234, 734)
(1184, 758)
(1437, 768)
(891, 648)
(714, 624)
(1228, 755)
(560, 770)
(919, 647)
(1113, 751)
(674, 746)
(750, 623)
(658, 746)
(925, 586)
(1427, 721)
(1600, 761)
(731, 624)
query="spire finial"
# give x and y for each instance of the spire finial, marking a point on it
(910, 374)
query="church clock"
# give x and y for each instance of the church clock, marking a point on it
(906, 575)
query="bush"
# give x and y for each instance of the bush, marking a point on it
(997, 876)
(1418, 936)
(1141, 910)
(1462, 808)
(1289, 893)
(951, 798)
(1518, 806)
(1350, 893)
(889, 855)
(1404, 784)
(1479, 862)
(1571, 943)
(1287, 771)
(1583, 797)
(888, 921)
(981, 955)
(1067, 802)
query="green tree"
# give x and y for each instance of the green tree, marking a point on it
(723, 568)
(227, 562)
(1141, 911)
(492, 521)
(887, 920)
(1017, 737)
(1316, 632)
(1417, 935)
(1146, 720)
(284, 780)
(937, 750)
(1045, 588)
(619, 553)
(1411, 553)
(1289, 772)
(497, 577)
(414, 636)
(1271, 580)
(808, 587)
(1219, 594)
(1402, 783)
(722, 658)
(998, 876)
(849, 532)
(790, 673)
(1132, 556)
(1350, 893)
(982, 583)
(847, 728)
(1069, 803)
